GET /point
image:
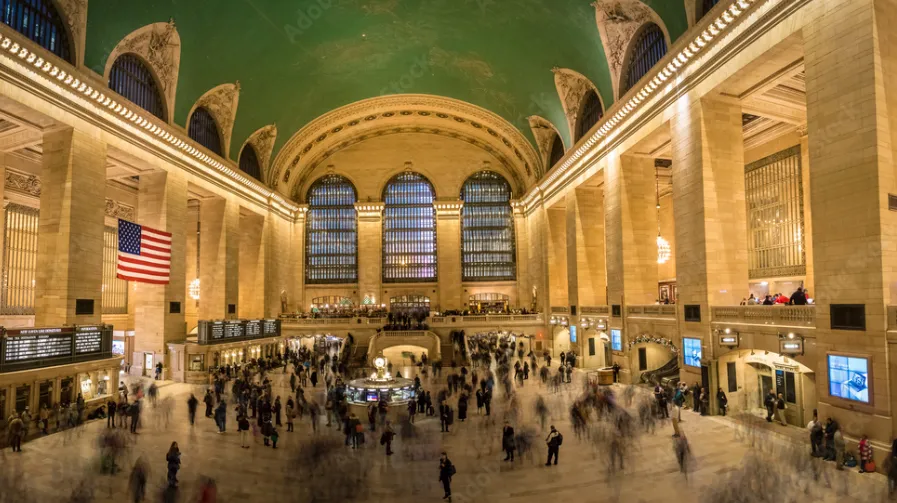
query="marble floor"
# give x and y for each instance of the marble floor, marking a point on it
(725, 467)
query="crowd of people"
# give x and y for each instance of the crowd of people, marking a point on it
(800, 297)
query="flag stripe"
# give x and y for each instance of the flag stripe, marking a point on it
(144, 254)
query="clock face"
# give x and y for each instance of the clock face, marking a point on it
(380, 362)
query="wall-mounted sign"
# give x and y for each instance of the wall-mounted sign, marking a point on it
(214, 332)
(791, 346)
(730, 340)
(28, 348)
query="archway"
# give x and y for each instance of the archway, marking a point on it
(653, 356)
(404, 358)
(597, 353)
(422, 341)
(747, 375)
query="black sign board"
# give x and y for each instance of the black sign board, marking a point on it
(730, 340)
(214, 332)
(791, 346)
(30, 348)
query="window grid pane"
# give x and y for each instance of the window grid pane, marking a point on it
(204, 130)
(591, 114)
(115, 290)
(19, 259)
(409, 230)
(649, 48)
(331, 232)
(39, 21)
(249, 163)
(130, 78)
(775, 212)
(487, 229)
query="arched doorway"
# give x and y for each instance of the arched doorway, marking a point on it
(488, 303)
(404, 358)
(415, 306)
(597, 349)
(747, 375)
(653, 356)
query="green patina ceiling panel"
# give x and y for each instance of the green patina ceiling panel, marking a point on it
(298, 59)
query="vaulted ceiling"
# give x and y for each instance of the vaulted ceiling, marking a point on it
(298, 59)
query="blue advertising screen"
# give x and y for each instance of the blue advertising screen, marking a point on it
(616, 339)
(848, 377)
(692, 351)
(572, 333)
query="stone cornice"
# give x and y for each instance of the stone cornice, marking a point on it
(31, 70)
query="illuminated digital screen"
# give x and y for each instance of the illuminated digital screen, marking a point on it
(848, 377)
(692, 351)
(616, 339)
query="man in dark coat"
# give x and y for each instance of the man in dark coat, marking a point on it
(444, 416)
(446, 472)
(192, 402)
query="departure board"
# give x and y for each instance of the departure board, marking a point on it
(213, 332)
(27, 348)
(88, 340)
(37, 346)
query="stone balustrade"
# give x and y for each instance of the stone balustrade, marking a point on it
(788, 316)
(487, 319)
(665, 311)
(595, 310)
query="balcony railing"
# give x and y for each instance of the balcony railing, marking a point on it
(662, 311)
(329, 322)
(485, 319)
(595, 310)
(789, 316)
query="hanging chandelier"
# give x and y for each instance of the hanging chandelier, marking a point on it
(663, 250)
(194, 289)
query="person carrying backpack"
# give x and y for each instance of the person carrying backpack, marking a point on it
(446, 472)
(554, 441)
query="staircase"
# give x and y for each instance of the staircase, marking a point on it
(669, 369)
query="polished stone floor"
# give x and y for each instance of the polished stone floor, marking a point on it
(724, 464)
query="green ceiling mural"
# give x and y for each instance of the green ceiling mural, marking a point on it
(298, 59)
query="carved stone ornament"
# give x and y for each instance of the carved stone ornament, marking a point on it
(159, 45)
(262, 140)
(23, 182)
(618, 21)
(572, 88)
(116, 209)
(221, 102)
(74, 13)
(544, 132)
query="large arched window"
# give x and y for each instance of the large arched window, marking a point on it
(249, 162)
(331, 232)
(409, 229)
(487, 229)
(648, 48)
(204, 130)
(592, 111)
(40, 21)
(704, 7)
(557, 151)
(131, 78)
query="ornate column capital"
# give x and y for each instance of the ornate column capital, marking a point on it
(370, 211)
(448, 209)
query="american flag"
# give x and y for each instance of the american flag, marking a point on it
(144, 254)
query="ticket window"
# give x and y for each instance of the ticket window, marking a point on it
(86, 388)
(103, 386)
(197, 363)
(3, 406)
(45, 395)
(23, 397)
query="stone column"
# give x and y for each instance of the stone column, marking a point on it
(70, 235)
(630, 226)
(585, 247)
(297, 238)
(524, 288)
(851, 65)
(191, 260)
(448, 253)
(370, 243)
(219, 259)
(278, 264)
(630, 219)
(809, 282)
(161, 205)
(252, 258)
(557, 258)
(710, 217)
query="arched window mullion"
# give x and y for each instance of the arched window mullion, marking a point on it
(249, 162)
(204, 130)
(331, 232)
(488, 247)
(590, 115)
(409, 230)
(557, 151)
(648, 49)
(39, 21)
(131, 78)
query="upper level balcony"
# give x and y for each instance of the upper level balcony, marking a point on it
(653, 311)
